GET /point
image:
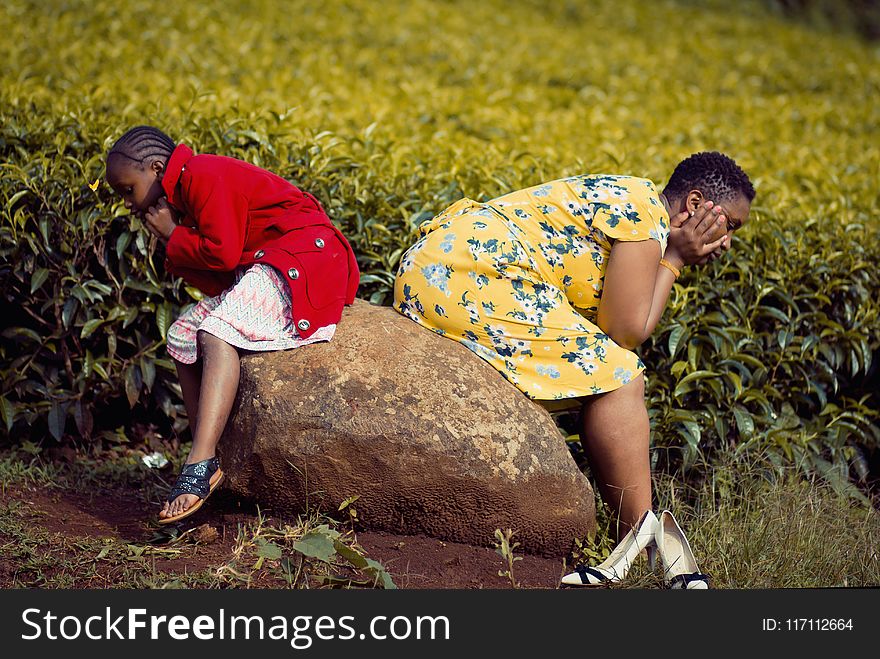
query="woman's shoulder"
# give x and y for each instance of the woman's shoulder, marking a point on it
(634, 185)
(613, 185)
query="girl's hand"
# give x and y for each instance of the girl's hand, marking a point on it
(161, 219)
(691, 237)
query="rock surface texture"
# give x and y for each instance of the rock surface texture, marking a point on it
(431, 438)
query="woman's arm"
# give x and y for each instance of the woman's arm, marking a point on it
(637, 286)
(633, 287)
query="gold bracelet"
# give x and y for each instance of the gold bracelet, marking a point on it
(666, 264)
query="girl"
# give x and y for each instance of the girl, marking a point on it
(275, 271)
(556, 285)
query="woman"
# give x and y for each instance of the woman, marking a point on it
(555, 285)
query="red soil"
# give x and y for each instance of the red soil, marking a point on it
(412, 561)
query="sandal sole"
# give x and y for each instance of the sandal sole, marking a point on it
(216, 479)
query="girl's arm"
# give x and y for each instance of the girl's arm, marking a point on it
(637, 286)
(220, 214)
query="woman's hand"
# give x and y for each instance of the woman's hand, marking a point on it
(692, 236)
(161, 219)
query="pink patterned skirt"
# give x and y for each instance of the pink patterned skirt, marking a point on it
(255, 313)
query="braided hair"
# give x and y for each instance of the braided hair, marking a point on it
(142, 143)
(717, 176)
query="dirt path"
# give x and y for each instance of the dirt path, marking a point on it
(121, 519)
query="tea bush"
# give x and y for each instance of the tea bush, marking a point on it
(387, 113)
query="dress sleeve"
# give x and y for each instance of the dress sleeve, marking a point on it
(220, 215)
(639, 217)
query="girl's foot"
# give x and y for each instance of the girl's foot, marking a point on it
(196, 482)
(181, 504)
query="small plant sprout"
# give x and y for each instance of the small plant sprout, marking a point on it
(504, 547)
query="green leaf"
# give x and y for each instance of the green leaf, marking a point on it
(83, 418)
(357, 559)
(315, 544)
(90, 327)
(382, 575)
(685, 384)
(24, 332)
(122, 243)
(745, 424)
(674, 340)
(133, 384)
(14, 198)
(68, 311)
(39, 278)
(7, 410)
(148, 369)
(268, 550)
(163, 318)
(57, 417)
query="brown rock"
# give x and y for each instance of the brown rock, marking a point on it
(432, 438)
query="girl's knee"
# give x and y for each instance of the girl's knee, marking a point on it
(208, 344)
(207, 341)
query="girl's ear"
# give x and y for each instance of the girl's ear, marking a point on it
(158, 168)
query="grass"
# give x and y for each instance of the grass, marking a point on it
(750, 526)
(757, 527)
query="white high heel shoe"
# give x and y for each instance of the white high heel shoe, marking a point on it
(615, 567)
(679, 565)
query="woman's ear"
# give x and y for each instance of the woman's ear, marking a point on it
(693, 200)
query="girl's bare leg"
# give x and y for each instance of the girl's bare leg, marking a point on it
(190, 378)
(219, 384)
(615, 436)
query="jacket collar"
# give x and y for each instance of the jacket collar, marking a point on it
(173, 169)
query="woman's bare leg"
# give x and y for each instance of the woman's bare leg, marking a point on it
(615, 436)
(219, 385)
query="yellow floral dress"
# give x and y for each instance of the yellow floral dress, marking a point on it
(518, 279)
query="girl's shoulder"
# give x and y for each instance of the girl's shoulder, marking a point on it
(208, 168)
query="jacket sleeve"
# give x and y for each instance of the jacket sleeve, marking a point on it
(220, 215)
(209, 283)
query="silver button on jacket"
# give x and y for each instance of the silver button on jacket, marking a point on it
(303, 324)
(319, 243)
(293, 273)
(259, 254)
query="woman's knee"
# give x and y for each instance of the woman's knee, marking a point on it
(635, 387)
(629, 393)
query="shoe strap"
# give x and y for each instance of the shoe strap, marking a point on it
(195, 479)
(583, 571)
(682, 580)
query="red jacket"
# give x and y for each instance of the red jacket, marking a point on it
(236, 214)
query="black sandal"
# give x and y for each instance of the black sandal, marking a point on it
(198, 478)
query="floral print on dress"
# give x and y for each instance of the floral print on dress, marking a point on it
(437, 275)
(526, 272)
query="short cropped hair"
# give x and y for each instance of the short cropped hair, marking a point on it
(717, 176)
(142, 143)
